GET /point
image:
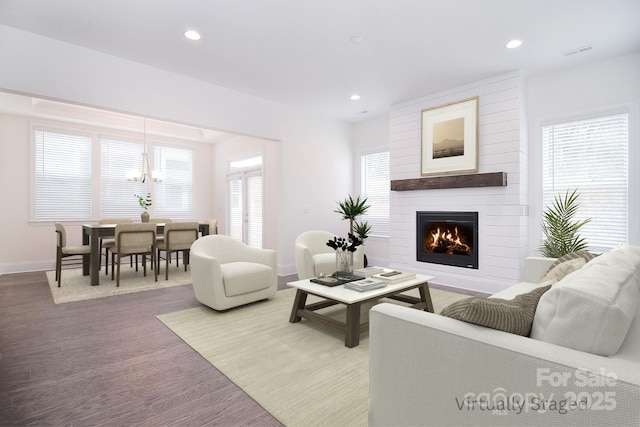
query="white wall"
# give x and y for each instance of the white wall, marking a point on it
(317, 156)
(503, 230)
(593, 89)
(372, 136)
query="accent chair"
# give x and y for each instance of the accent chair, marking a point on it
(226, 273)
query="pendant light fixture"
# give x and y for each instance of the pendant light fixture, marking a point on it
(146, 172)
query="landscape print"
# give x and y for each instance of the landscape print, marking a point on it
(448, 138)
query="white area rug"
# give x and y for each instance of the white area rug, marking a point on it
(300, 372)
(76, 287)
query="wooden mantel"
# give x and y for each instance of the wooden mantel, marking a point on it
(493, 179)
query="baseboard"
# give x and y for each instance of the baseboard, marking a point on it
(26, 267)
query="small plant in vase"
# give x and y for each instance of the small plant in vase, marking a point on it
(144, 203)
(344, 254)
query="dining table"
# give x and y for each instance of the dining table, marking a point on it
(91, 234)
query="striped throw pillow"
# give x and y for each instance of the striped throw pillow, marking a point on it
(514, 316)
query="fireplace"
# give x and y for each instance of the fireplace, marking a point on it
(449, 238)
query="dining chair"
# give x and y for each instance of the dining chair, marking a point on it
(107, 242)
(134, 239)
(178, 237)
(213, 225)
(160, 237)
(64, 251)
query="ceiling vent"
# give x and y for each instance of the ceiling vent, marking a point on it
(578, 50)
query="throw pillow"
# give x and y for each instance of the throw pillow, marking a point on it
(514, 316)
(585, 255)
(562, 269)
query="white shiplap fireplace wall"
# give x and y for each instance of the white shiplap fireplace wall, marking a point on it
(502, 211)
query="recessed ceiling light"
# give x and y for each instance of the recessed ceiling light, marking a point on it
(514, 44)
(355, 38)
(192, 35)
(355, 97)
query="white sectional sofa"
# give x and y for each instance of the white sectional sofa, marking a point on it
(431, 370)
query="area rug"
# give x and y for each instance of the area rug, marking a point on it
(76, 287)
(300, 372)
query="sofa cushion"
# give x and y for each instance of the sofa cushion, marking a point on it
(244, 277)
(514, 316)
(560, 270)
(591, 309)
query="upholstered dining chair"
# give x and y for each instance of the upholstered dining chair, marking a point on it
(64, 251)
(134, 239)
(160, 236)
(313, 256)
(213, 225)
(178, 236)
(107, 242)
(227, 273)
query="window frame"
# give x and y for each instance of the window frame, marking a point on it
(536, 171)
(96, 133)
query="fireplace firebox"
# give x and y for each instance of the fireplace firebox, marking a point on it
(449, 238)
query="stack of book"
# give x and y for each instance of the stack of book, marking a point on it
(368, 271)
(365, 285)
(394, 276)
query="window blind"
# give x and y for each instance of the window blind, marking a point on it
(173, 196)
(62, 176)
(592, 156)
(117, 157)
(254, 210)
(235, 208)
(375, 186)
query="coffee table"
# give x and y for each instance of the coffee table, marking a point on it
(353, 300)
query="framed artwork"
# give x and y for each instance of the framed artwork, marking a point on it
(449, 143)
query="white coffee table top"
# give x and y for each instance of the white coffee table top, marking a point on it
(349, 296)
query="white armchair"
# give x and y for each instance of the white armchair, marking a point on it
(314, 257)
(227, 273)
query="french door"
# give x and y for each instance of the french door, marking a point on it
(246, 206)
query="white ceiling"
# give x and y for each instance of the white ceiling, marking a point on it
(299, 53)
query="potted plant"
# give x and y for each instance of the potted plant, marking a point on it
(351, 208)
(560, 229)
(144, 203)
(362, 230)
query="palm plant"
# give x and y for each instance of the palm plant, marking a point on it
(560, 229)
(361, 229)
(351, 208)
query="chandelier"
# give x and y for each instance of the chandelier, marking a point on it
(145, 173)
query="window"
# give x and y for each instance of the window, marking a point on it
(62, 176)
(592, 156)
(117, 157)
(375, 186)
(173, 196)
(79, 175)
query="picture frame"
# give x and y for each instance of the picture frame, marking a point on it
(449, 138)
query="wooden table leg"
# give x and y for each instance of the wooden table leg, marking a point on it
(425, 297)
(298, 304)
(352, 328)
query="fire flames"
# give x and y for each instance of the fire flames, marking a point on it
(447, 241)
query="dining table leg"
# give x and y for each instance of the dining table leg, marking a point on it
(91, 236)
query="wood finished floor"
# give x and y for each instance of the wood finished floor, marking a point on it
(108, 361)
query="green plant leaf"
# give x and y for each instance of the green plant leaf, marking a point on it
(560, 229)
